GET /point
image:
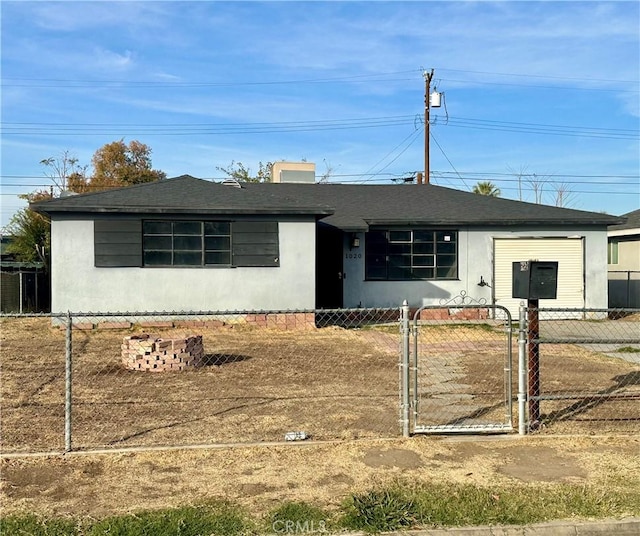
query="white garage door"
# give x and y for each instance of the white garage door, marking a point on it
(568, 253)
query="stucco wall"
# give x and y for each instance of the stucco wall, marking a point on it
(78, 286)
(628, 254)
(475, 260)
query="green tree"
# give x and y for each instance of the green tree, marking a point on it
(486, 188)
(115, 164)
(31, 232)
(241, 173)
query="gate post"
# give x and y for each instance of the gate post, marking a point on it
(522, 370)
(404, 369)
(533, 349)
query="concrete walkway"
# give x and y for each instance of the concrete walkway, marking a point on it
(621, 527)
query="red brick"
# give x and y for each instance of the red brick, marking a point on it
(82, 325)
(113, 325)
(157, 324)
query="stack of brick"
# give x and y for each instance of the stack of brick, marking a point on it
(155, 354)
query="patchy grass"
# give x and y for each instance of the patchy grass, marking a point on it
(299, 517)
(219, 519)
(398, 506)
(628, 350)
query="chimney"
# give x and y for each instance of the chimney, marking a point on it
(419, 178)
(300, 172)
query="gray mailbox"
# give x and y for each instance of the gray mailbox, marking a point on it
(535, 280)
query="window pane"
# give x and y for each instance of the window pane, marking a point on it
(187, 258)
(400, 260)
(217, 257)
(376, 237)
(399, 272)
(446, 247)
(399, 236)
(445, 236)
(423, 248)
(399, 249)
(217, 228)
(217, 243)
(376, 267)
(157, 258)
(192, 243)
(187, 227)
(423, 273)
(376, 272)
(446, 272)
(157, 227)
(423, 236)
(446, 260)
(424, 260)
(157, 242)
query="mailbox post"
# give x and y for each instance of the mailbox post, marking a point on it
(534, 280)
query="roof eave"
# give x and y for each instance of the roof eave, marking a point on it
(223, 211)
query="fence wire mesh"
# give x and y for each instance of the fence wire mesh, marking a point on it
(584, 370)
(462, 377)
(166, 379)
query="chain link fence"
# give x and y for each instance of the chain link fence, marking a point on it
(462, 369)
(83, 381)
(583, 370)
(89, 381)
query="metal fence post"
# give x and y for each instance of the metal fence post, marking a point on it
(404, 367)
(522, 370)
(68, 377)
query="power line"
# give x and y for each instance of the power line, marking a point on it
(550, 77)
(184, 129)
(448, 160)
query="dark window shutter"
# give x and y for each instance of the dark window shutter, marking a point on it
(255, 243)
(117, 243)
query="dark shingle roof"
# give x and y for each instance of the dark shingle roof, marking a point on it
(633, 221)
(347, 206)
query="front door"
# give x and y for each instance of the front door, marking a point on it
(329, 275)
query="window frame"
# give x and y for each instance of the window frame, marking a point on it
(416, 258)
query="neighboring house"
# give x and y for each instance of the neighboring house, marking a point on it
(186, 244)
(24, 286)
(623, 261)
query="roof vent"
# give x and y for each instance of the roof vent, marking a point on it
(232, 182)
(67, 193)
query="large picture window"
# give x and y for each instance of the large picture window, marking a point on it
(406, 254)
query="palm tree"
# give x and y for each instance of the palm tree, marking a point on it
(486, 188)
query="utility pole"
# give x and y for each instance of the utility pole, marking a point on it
(427, 106)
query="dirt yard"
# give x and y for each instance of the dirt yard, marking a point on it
(338, 385)
(259, 383)
(261, 477)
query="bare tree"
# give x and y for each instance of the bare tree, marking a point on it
(61, 168)
(564, 196)
(519, 174)
(328, 173)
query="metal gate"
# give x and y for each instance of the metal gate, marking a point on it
(459, 378)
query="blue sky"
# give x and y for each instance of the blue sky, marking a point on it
(546, 90)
